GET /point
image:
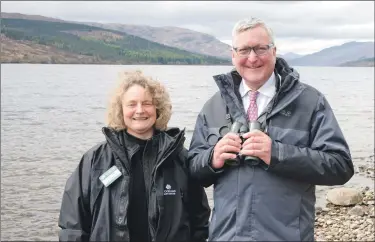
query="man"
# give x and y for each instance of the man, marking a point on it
(300, 145)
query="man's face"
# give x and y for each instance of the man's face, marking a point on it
(254, 69)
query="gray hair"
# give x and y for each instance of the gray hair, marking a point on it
(246, 24)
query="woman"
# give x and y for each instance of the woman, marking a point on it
(135, 186)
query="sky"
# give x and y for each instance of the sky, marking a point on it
(302, 27)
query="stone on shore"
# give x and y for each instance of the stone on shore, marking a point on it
(357, 210)
(347, 223)
(344, 196)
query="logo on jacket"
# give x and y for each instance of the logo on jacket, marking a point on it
(168, 190)
(286, 113)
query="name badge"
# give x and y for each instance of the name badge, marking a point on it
(108, 177)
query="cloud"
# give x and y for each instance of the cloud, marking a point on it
(301, 21)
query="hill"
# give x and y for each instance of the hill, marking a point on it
(94, 44)
(181, 38)
(29, 17)
(205, 44)
(337, 55)
(367, 62)
(290, 56)
(24, 51)
(76, 42)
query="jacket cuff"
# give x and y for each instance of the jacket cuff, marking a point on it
(213, 170)
(275, 156)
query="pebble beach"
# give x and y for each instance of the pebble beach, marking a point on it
(349, 212)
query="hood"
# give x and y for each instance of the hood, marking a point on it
(288, 76)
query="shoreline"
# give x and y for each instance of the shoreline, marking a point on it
(155, 64)
(347, 223)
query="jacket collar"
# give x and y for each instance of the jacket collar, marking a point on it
(229, 83)
(166, 143)
(267, 89)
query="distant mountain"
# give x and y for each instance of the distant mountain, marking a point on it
(29, 17)
(79, 43)
(121, 43)
(367, 62)
(175, 37)
(290, 56)
(180, 38)
(337, 55)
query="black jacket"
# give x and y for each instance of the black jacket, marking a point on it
(178, 209)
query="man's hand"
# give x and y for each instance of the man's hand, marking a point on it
(257, 144)
(225, 149)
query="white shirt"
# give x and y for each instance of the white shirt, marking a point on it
(266, 93)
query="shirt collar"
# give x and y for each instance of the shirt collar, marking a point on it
(268, 89)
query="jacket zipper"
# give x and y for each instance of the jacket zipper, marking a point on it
(153, 182)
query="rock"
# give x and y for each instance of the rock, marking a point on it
(353, 226)
(346, 223)
(361, 168)
(357, 210)
(318, 210)
(371, 212)
(325, 209)
(369, 193)
(344, 196)
(370, 222)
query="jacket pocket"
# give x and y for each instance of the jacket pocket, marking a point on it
(275, 213)
(286, 136)
(184, 200)
(184, 228)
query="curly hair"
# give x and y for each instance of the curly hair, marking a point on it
(159, 94)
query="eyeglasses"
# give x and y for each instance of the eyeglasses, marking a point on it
(258, 50)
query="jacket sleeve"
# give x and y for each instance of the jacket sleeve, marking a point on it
(75, 216)
(326, 162)
(200, 155)
(199, 212)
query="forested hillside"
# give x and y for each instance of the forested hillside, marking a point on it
(100, 45)
(361, 62)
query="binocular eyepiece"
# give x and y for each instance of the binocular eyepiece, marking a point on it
(240, 129)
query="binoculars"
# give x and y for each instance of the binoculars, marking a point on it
(240, 129)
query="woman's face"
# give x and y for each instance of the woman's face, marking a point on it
(139, 112)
